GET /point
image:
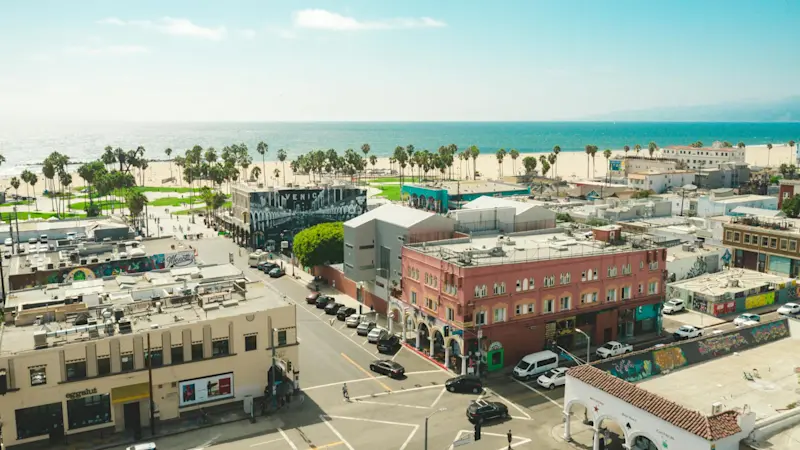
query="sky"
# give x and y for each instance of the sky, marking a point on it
(380, 60)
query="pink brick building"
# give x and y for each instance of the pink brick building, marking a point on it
(521, 293)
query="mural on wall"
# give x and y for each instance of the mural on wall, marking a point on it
(700, 267)
(669, 358)
(769, 332)
(79, 274)
(179, 259)
(632, 370)
(289, 211)
(721, 344)
(757, 301)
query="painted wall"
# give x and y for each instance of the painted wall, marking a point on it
(705, 261)
(348, 287)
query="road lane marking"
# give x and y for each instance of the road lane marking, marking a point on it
(359, 419)
(288, 441)
(267, 442)
(332, 328)
(439, 397)
(400, 391)
(408, 439)
(398, 352)
(508, 401)
(540, 393)
(332, 444)
(522, 440)
(326, 421)
(367, 373)
(358, 380)
(393, 404)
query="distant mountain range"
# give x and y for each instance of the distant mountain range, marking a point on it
(787, 110)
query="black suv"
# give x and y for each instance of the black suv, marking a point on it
(464, 383)
(480, 411)
(332, 308)
(344, 312)
(389, 345)
(323, 301)
(266, 266)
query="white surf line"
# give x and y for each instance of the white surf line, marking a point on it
(408, 439)
(439, 397)
(267, 442)
(394, 404)
(399, 391)
(326, 421)
(541, 394)
(517, 407)
(288, 441)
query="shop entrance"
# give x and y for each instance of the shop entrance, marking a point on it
(133, 419)
(57, 421)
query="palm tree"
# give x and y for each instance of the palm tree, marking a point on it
(514, 153)
(556, 151)
(626, 149)
(607, 154)
(543, 161)
(66, 180)
(255, 173)
(135, 201)
(15, 184)
(401, 157)
(769, 149)
(593, 153)
(373, 160)
(474, 152)
(651, 148)
(551, 158)
(26, 177)
(529, 163)
(637, 148)
(740, 145)
(277, 173)
(168, 151)
(262, 148)
(365, 149)
(282, 159)
(500, 155)
(32, 181)
(588, 150)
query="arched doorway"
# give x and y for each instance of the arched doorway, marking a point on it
(578, 422)
(453, 356)
(641, 441)
(437, 347)
(410, 324)
(395, 321)
(423, 336)
(609, 432)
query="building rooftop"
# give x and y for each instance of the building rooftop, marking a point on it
(759, 212)
(650, 172)
(711, 428)
(703, 149)
(731, 282)
(773, 224)
(205, 293)
(742, 198)
(690, 251)
(487, 201)
(496, 248)
(395, 214)
(472, 187)
(259, 187)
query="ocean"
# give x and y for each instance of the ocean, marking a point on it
(24, 144)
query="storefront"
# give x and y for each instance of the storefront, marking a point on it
(647, 319)
(84, 409)
(131, 407)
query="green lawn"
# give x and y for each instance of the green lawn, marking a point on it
(36, 215)
(175, 201)
(103, 204)
(202, 209)
(23, 202)
(408, 179)
(179, 190)
(391, 191)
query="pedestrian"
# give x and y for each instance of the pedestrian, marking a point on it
(509, 439)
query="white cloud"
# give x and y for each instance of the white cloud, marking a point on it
(246, 33)
(172, 26)
(107, 50)
(321, 19)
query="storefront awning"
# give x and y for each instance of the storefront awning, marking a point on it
(130, 393)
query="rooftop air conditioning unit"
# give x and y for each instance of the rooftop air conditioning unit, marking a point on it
(40, 339)
(716, 408)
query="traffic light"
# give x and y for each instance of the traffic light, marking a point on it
(477, 431)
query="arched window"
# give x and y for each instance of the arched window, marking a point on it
(524, 284)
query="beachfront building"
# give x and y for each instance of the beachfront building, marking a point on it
(134, 349)
(764, 244)
(622, 166)
(718, 202)
(704, 157)
(725, 175)
(503, 214)
(659, 181)
(266, 217)
(733, 291)
(787, 190)
(373, 244)
(443, 196)
(513, 294)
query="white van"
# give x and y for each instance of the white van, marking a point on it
(534, 364)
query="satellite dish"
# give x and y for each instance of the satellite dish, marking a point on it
(689, 187)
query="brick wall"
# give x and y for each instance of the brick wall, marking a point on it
(348, 287)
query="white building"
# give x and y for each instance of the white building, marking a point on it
(496, 213)
(704, 157)
(659, 181)
(722, 202)
(690, 260)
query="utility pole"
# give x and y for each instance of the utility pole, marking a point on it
(2, 277)
(426, 424)
(588, 343)
(272, 367)
(16, 219)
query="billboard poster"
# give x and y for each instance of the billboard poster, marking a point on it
(616, 165)
(208, 389)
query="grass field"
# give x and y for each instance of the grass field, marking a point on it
(174, 201)
(102, 204)
(19, 203)
(390, 192)
(179, 190)
(408, 179)
(6, 217)
(202, 209)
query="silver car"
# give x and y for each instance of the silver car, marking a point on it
(365, 328)
(377, 334)
(353, 320)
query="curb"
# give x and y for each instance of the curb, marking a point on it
(427, 357)
(173, 433)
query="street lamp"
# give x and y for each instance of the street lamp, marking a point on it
(588, 342)
(426, 424)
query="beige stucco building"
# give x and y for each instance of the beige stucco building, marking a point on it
(80, 364)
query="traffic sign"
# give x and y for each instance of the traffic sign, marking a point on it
(463, 441)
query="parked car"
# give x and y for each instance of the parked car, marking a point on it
(266, 266)
(276, 272)
(312, 298)
(323, 301)
(8, 242)
(376, 334)
(387, 367)
(552, 378)
(746, 319)
(464, 383)
(344, 312)
(147, 446)
(613, 348)
(673, 306)
(389, 345)
(789, 309)
(480, 411)
(365, 328)
(354, 320)
(534, 364)
(332, 308)
(687, 332)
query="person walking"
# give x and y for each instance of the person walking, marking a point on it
(345, 394)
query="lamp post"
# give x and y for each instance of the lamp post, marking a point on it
(426, 424)
(588, 342)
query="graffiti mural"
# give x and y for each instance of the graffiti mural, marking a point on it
(699, 267)
(179, 259)
(721, 344)
(757, 301)
(770, 332)
(632, 370)
(79, 274)
(289, 211)
(669, 358)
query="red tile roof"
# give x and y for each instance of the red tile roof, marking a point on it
(711, 428)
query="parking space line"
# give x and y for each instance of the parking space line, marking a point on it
(267, 442)
(367, 373)
(334, 329)
(509, 401)
(332, 444)
(438, 397)
(531, 388)
(327, 422)
(410, 435)
(393, 404)
(359, 419)
(400, 391)
(398, 352)
(289, 441)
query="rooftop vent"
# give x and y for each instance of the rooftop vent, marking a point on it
(125, 325)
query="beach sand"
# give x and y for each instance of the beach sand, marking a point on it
(571, 166)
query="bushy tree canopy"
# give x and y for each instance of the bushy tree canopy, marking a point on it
(320, 244)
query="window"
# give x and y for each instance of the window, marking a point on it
(126, 364)
(88, 411)
(784, 244)
(589, 297)
(641, 288)
(564, 303)
(653, 265)
(612, 271)
(177, 354)
(480, 318)
(583, 276)
(611, 295)
(626, 269)
(502, 287)
(773, 243)
(219, 347)
(747, 238)
(496, 289)
(736, 236)
(565, 278)
(38, 375)
(38, 420)
(652, 288)
(524, 284)
(156, 358)
(103, 365)
(451, 314)
(530, 308)
(519, 286)
(548, 306)
(626, 292)
(764, 241)
(519, 310)
(550, 281)
(76, 370)
(589, 275)
(792, 246)
(281, 338)
(430, 304)
(499, 315)
(250, 342)
(197, 350)
(414, 296)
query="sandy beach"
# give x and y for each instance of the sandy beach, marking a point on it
(570, 166)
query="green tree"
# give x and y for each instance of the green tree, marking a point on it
(514, 153)
(500, 154)
(474, 152)
(791, 206)
(588, 150)
(168, 152)
(529, 163)
(652, 147)
(769, 149)
(282, 159)
(637, 148)
(26, 178)
(320, 244)
(262, 148)
(556, 151)
(32, 181)
(255, 173)
(626, 149)
(740, 145)
(15, 184)
(607, 155)
(135, 201)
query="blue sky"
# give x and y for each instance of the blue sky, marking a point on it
(388, 60)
